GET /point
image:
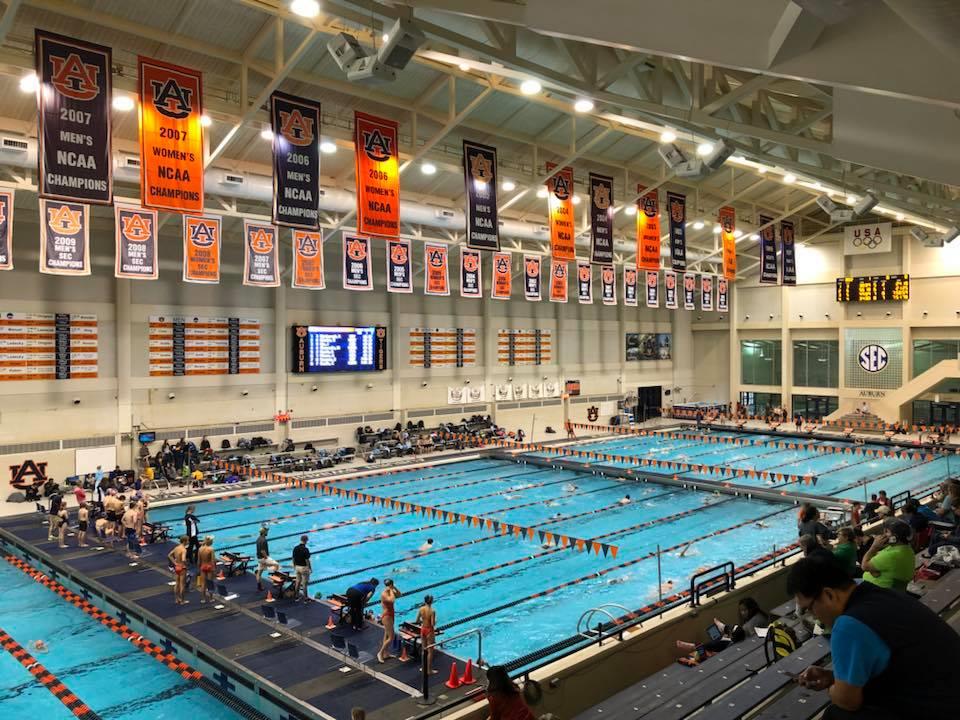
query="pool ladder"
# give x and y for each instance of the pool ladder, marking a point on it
(583, 624)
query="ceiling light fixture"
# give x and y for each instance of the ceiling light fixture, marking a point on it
(704, 149)
(305, 8)
(28, 83)
(428, 168)
(583, 105)
(716, 229)
(530, 87)
(789, 178)
(123, 103)
(668, 136)
(698, 225)
(542, 193)
(630, 209)
(738, 233)
(851, 199)
(509, 185)
(576, 199)
(266, 133)
(328, 147)
(464, 67)
(206, 120)
(755, 237)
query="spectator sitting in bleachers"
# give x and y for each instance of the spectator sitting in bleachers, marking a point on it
(946, 537)
(750, 618)
(882, 648)
(890, 561)
(810, 545)
(810, 525)
(846, 551)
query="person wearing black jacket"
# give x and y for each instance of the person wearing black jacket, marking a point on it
(192, 523)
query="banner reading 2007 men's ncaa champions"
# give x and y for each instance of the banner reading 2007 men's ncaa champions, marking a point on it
(75, 95)
(296, 161)
(480, 178)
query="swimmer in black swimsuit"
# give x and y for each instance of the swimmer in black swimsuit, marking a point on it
(83, 516)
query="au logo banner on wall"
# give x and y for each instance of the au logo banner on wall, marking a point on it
(64, 238)
(677, 205)
(378, 176)
(584, 282)
(502, 277)
(558, 281)
(653, 287)
(76, 81)
(723, 304)
(470, 283)
(435, 268)
(608, 285)
(296, 161)
(689, 290)
(201, 249)
(629, 286)
(562, 231)
(601, 219)
(648, 230)
(670, 290)
(6, 229)
(480, 177)
(260, 266)
(356, 263)
(706, 292)
(171, 137)
(307, 260)
(531, 277)
(728, 226)
(768, 250)
(136, 241)
(399, 267)
(788, 252)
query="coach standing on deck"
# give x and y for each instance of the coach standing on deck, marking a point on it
(192, 523)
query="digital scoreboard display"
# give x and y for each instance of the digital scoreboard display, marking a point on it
(874, 288)
(319, 349)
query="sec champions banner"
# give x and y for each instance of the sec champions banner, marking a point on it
(768, 250)
(670, 290)
(531, 277)
(723, 304)
(378, 176)
(435, 268)
(307, 260)
(171, 137)
(558, 281)
(356, 263)
(601, 219)
(648, 230)
(728, 226)
(706, 293)
(677, 206)
(480, 178)
(64, 238)
(608, 285)
(296, 161)
(502, 276)
(399, 266)
(470, 283)
(629, 286)
(653, 287)
(201, 249)
(584, 282)
(560, 211)
(260, 265)
(6, 229)
(76, 80)
(788, 250)
(136, 243)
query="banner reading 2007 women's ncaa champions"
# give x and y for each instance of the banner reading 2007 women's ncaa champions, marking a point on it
(480, 178)
(296, 161)
(378, 176)
(75, 95)
(171, 137)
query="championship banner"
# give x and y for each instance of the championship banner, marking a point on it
(788, 251)
(677, 205)
(601, 220)
(6, 229)
(307, 271)
(558, 281)
(260, 265)
(629, 286)
(531, 277)
(728, 225)
(399, 266)
(669, 289)
(480, 178)
(653, 287)
(136, 243)
(584, 282)
(356, 263)
(171, 137)
(201, 249)
(470, 283)
(64, 238)
(378, 176)
(768, 250)
(296, 161)
(608, 285)
(648, 230)
(689, 289)
(706, 293)
(435, 269)
(723, 304)
(562, 231)
(502, 276)
(74, 153)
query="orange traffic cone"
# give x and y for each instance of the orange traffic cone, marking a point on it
(330, 623)
(453, 682)
(269, 597)
(467, 677)
(403, 653)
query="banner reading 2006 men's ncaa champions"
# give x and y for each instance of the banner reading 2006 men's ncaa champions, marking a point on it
(378, 176)
(75, 95)
(296, 161)
(480, 177)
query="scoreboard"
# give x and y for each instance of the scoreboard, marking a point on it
(318, 349)
(873, 288)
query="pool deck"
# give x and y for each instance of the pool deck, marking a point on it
(300, 663)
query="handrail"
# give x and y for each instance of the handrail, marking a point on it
(613, 621)
(425, 689)
(729, 581)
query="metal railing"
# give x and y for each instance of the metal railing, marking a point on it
(425, 671)
(719, 577)
(586, 617)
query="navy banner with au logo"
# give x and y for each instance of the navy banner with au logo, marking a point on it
(296, 161)
(723, 304)
(788, 250)
(689, 290)
(399, 267)
(601, 219)
(677, 206)
(64, 238)
(356, 263)
(629, 286)
(768, 250)
(136, 240)
(608, 285)
(470, 283)
(75, 95)
(531, 277)
(480, 176)
(260, 265)
(669, 290)
(6, 230)
(584, 282)
(706, 293)
(653, 288)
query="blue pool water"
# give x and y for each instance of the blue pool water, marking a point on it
(117, 680)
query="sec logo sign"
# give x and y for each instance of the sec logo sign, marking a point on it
(873, 358)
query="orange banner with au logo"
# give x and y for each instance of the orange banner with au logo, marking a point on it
(728, 225)
(201, 249)
(307, 260)
(378, 176)
(502, 276)
(648, 230)
(558, 281)
(560, 197)
(171, 137)
(435, 264)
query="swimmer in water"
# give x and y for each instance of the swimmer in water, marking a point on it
(570, 488)
(426, 547)
(686, 549)
(761, 524)
(403, 570)
(625, 500)
(39, 646)
(618, 580)
(376, 520)
(552, 503)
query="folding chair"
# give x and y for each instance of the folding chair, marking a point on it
(282, 619)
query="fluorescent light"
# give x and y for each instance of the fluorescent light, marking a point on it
(737, 233)
(851, 199)
(789, 178)
(698, 225)
(266, 133)
(509, 185)
(583, 105)
(530, 87)
(542, 192)
(385, 37)
(716, 229)
(464, 67)
(28, 83)
(206, 120)
(305, 8)
(755, 236)
(630, 209)
(762, 169)
(428, 168)
(704, 149)
(576, 199)
(899, 216)
(668, 136)
(123, 103)
(328, 147)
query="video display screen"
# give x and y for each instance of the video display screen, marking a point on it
(320, 348)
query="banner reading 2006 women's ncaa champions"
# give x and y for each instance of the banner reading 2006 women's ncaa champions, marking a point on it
(75, 95)
(480, 177)
(171, 137)
(562, 231)
(648, 230)
(378, 176)
(296, 161)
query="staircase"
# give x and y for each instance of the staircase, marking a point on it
(862, 422)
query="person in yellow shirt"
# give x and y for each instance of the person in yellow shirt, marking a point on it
(197, 476)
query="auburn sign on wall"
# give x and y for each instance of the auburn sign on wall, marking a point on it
(378, 176)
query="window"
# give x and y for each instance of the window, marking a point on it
(929, 412)
(759, 403)
(760, 362)
(927, 353)
(816, 363)
(814, 407)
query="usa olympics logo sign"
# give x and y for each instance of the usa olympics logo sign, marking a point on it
(872, 358)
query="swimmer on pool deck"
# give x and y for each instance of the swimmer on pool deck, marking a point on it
(426, 547)
(427, 620)
(387, 598)
(206, 559)
(83, 519)
(178, 560)
(625, 500)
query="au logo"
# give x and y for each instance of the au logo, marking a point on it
(301, 332)
(722, 285)
(381, 332)
(561, 187)
(652, 279)
(64, 221)
(3, 209)
(593, 413)
(74, 78)
(649, 205)
(172, 99)
(533, 267)
(503, 266)
(584, 273)
(727, 224)
(671, 280)
(296, 128)
(307, 245)
(481, 168)
(601, 196)
(677, 210)
(560, 270)
(27, 474)
(437, 258)
(398, 254)
(377, 145)
(608, 276)
(471, 262)
(689, 283)
(203, 234)
(706, 284)
(136, 227)
(261, 241)
(630, 276)
(357, 249)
